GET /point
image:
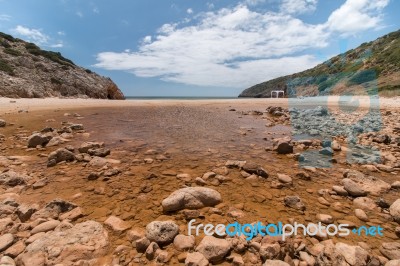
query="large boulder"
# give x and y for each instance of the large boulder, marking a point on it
(191, 198)
(353, 188)
(214, 249)
(60, 155)
(38, 139)
(84, 241)
(354, 255)
(13, 179)
(370, 184)
(162, 233)
(391, 250)
(395, 210)
(283, 146)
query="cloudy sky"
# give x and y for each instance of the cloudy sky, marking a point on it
(197, 48)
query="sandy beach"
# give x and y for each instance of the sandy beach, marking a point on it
(110, 170)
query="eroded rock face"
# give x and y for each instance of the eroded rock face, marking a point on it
(84, 241)
(38, 74)
(191, 198)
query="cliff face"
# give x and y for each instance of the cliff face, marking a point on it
(371, 66)
(26, 71)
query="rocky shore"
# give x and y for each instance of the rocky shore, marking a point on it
(119, 186)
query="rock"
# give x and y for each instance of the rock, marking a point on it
(369, 184)
(99, 152)
(284, 178)
(324, 218)
(13, 179)
(6, 241)
(393, 263)
(340, 191)
(7, 261)
(275, 263)
(235, 164)
(61, 155)
(142, 244)
(364, 203)
(382, 203)
(83, 241)
(269, 251)
(2, 123)
(304, 256)
(151, 250)
(38, 140)
(395, 185)
(45, 227)
(98, 162)
(353, 188)
(336, 146)
(162, 233)
(93, 176)
(354, 255)
(116, 224)
(382, 138)
(214, 249)
(191, 198)
(283, 146)
(390, 250)
(76, 127)
(196, 259)
(86, 146)
(72, 215)
(53, 209)
(252, 168)
(183, 242)
(360, 214)
(326, 151)
(294, 202)
(15, 249)
(25, 212)
(395, 210)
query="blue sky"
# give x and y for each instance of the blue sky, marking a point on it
(197, 48)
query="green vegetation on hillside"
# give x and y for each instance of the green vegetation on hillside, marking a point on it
(5, 67)
(53, 56)
(368, 62)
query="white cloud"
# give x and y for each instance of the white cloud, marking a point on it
(237, 47)
(253, 2)
(96, 10)
(57, 45)
(147, 39)
(79, 14)
(210, 5)
(298, 6)
(61, 33)
(34, 35)
(4, 17)
(232, 47)
(357, 15)
(189, 11)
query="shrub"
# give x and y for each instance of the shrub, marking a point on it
(362, 77)
(88, 71)
(8, 37)
(5, 67)
(12, 52)
(55, 81)
(5, 44)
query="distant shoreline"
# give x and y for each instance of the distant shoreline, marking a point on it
(11, 105)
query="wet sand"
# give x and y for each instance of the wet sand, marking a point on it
(191, 137)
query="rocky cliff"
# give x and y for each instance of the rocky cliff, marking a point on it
(372, 67)
(26, 71)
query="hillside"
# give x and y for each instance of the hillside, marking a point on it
(26, 71)
(361, 70)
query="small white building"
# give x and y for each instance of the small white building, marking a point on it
(277, 93)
